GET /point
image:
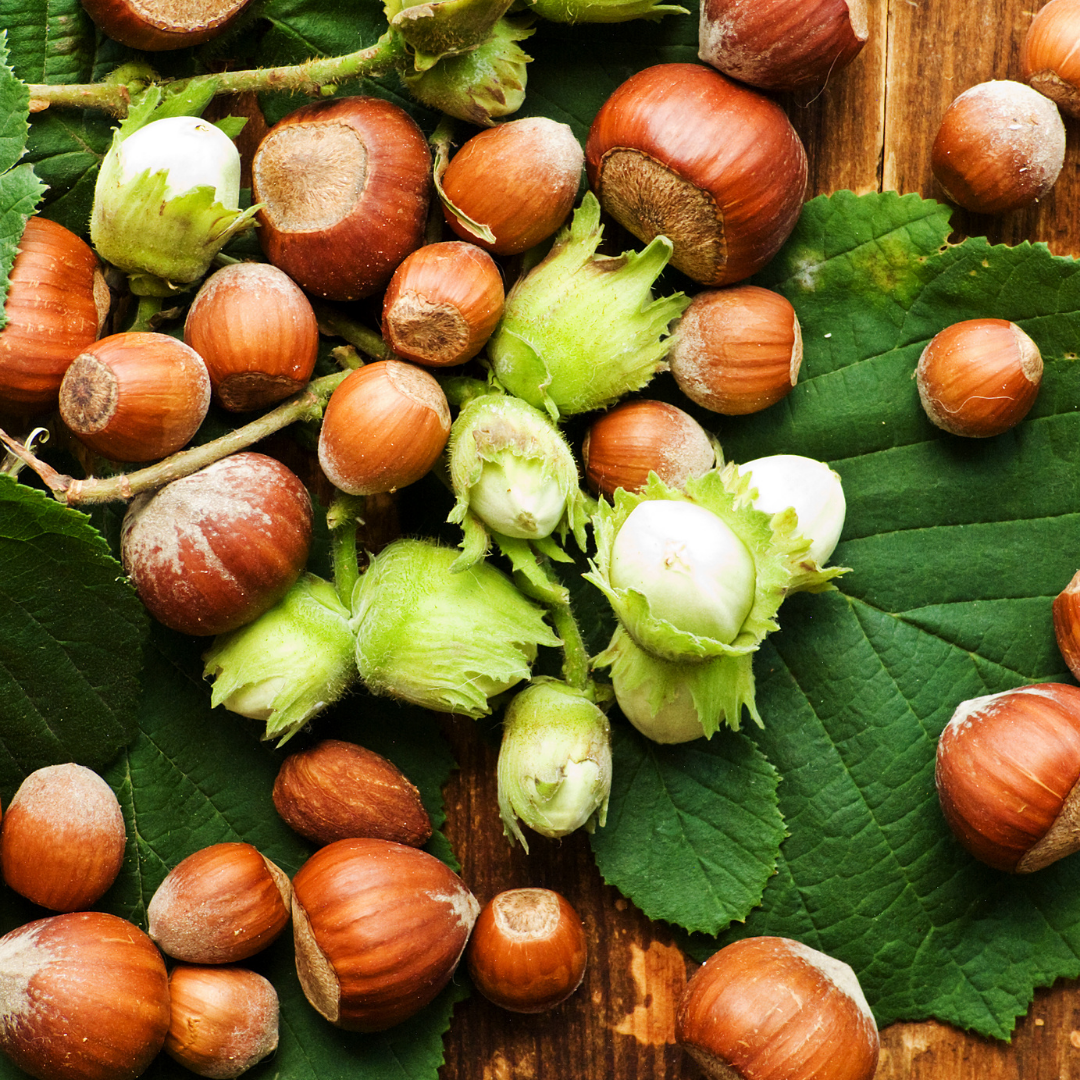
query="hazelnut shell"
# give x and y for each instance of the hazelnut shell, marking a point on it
(220, 905)
(379, 929)
(62, 839)
(528, 950)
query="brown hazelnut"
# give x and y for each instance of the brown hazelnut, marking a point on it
(638, 437)
(1049, 61)
(683, 151)
(1006, 773)
(83, 996)
(738, 350)
(379, 929)
(768, 1008)
(223, 1020)
(519, 179)
(135, 396)
(384, 428)
(256, 332)
(527, 952)
(442, 304)
(782, 45)
(62, 839)
(1000, 147)
(979, 377)
(221, 904)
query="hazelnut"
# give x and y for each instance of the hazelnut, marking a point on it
(62, 839)
(82, 980)
(344, 187)
(56, 304)
(1006, 774)
(1048, 56)
(256, 332)
(223, 1020)
(979, 377)
(212, 551)
(379, 929)
(335, 790)
(780, 46)
(738, 350)
(768, 1008)
(638, 437)
(519, 179)
(527, 952)
(1000, 147)
(442, 304)
(1066, 614)
(384, 427)
(135, 396)
(160, 25)
(221, 904)
(681, 150)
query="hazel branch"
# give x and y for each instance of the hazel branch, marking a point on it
(310, 77)
(307, 405)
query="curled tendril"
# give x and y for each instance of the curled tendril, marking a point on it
(12, 464)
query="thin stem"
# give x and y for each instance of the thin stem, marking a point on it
(541, 583)
(343, 520)
(307, 405)
(575, 666)
(309, 78)
(335, 323)
(149, 306)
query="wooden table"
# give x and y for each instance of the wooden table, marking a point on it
(871, 129)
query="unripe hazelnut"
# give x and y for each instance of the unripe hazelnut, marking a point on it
(159, 25)
(680, 150)
(221, 904)
(442, 304)
(1006, 774)
(782, 44)
(637, 437)
(212, 551)
(83, 996)
(223, 1020)
(1049, 60)
(335, 790)
(256, 332)
(345, 186)
(56, 304)
(135, 396)
(519, 178)
(379, 929)
(767, 1008)
(738, 350)
(384, 427)
(1000, 147)
(527, 952)
(62, 839)
(979, 377)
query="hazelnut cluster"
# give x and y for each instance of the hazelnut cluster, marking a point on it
(690, 159)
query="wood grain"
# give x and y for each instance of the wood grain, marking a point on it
(870, 129)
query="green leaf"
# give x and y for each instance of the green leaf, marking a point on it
(51, 41)
(692, 830)
(957, 548)
(70, 653)
(20, 189)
